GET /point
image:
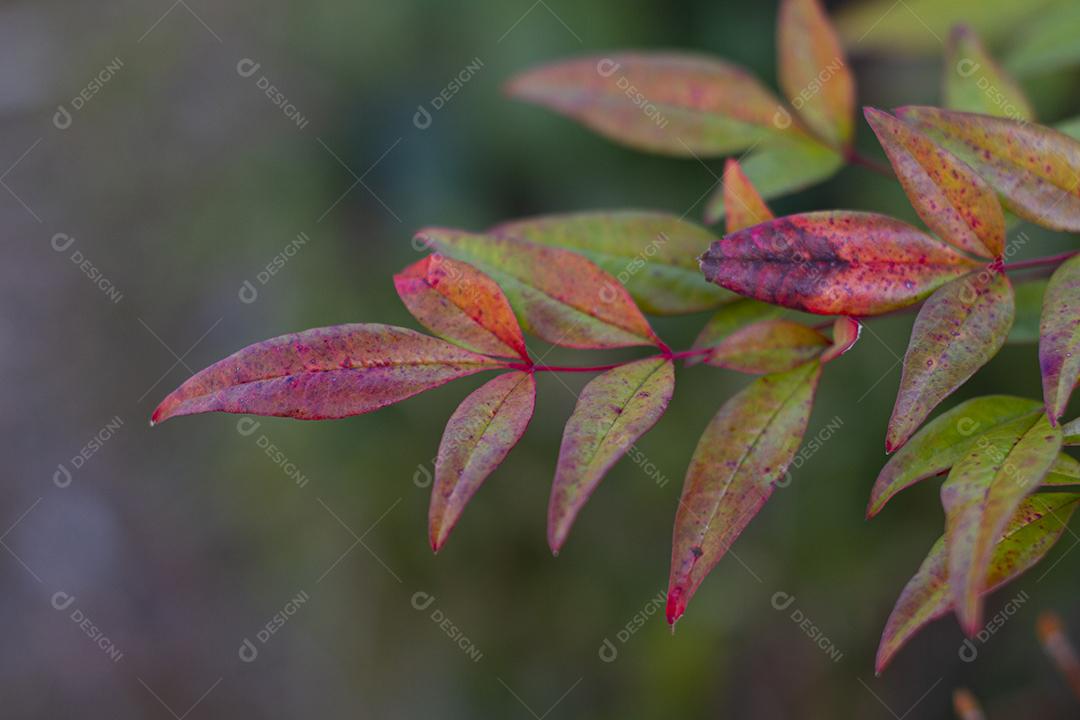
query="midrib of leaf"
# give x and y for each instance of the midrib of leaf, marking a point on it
(619, 418)
(752, 446)
(483, 432)
(471, 319)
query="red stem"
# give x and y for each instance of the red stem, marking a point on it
(854, 157)
(665, 351)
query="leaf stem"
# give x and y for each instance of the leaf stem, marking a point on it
(1041, 262)
(666, 352)
(854, 157)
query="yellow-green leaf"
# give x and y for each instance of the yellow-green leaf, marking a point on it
(974, 82)
(958, 330)
(983, 490)
(1059, 337)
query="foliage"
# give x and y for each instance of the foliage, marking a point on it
(587, 280)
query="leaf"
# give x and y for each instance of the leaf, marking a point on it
(833, 263)
(1033, 529)
(918, 26)
(612, 412)
(1059, 337)
(324, 373)
(654, 255)
(950, 198)
(846, 332)
(669, 103)
(1035, 169)
(974, 82)
(768, 346)
(459, 303)
(813, 71)
(478, 437)
(958, 330)
(1029, 301)
(745, 449)
(943, 441)
(558, 295)
(728, 319)
(983, 490)
(1064, 472)
(779, 166)
(743, 203)
(1047, 43)
(1071, 431)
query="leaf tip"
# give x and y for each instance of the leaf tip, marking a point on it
(676, 605)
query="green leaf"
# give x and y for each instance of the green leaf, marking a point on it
(1033, 529)
(943, 441)
(1047, 43)
(1059, 337)
(950, 198)
(768, 346)
(746, 448)
(983, 490)
(1071, 430)
(813, 71)
(958, 330)
(1070, 127)
(846, 332)
(1029, 301)
(779, 166)
(730, 318)
(653, 255)
(1035, 169)
(478, 437)
(1064, 472)
(558, 295)
(918, 26)
(669, 103)
(974, 82)
(613, 411)
(833, 263)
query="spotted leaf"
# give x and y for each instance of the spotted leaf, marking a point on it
(1033, 529)
(768, 346)
(833, 263)
(1059, 337)
(950, 198)
(958, 330)
(983, 490)
(330, 372)
(478, 437)
(1035, 169)
(743, 452)
(613, 411)
(846, 332)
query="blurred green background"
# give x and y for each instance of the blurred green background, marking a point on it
(180, 179)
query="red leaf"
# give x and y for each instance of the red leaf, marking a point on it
(461, 304)
(746, 448)
(958, 330)
(833, 263)
(558, 295)
(478, 436)
(661, 102)
(613, 411)
(950, 198)
(846, 333)
(330, 372)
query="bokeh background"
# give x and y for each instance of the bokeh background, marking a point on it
(180, 179)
